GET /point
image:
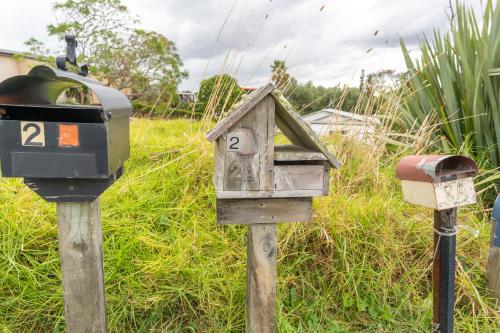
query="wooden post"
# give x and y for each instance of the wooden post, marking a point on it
(80, 248)
(493, 269)
(443, 273)
(262, 246)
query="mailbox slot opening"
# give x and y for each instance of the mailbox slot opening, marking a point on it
(435, 168)
(456, 165)
(85, 114)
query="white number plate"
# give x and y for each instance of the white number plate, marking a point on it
(32, 134)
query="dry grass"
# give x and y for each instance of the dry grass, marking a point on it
(362, 264)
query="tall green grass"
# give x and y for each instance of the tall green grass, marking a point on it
(362, 265)
(450, 84)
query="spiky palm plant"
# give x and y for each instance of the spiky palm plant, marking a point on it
(453, 82)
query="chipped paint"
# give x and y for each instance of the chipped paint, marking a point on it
(434, 168)
(429, 168)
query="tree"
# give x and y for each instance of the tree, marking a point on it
(279, 75)
(382, 81)
(147, 64)
(217, 94)
(92, 22)
(144, 64)
(308, 98)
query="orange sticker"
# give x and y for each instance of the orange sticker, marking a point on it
(68, 136)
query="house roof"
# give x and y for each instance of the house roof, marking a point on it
(287, 120)
(329, 115)
(11, 53)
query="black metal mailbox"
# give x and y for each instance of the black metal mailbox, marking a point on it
(66, 153)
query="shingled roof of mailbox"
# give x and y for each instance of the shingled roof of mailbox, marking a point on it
(430, 168)
(43, 85)
(303, 136)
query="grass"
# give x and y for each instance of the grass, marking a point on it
(362, 265)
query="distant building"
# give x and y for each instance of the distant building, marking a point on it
(247, 89)
(15, 63)
(187, 96)
(328, 121)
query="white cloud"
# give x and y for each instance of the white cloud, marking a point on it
(327, 47)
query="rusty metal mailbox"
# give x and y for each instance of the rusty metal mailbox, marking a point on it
(261, 183)
(437, 181)
(65, 152)
(442, 183)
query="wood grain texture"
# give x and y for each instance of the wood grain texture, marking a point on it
(262, 247)
(298, 177)
(268, 172)
(326, 180)
(249, 172)
(240, 110)
(268, 194)
(493, 269)
(253, 211)
(80, 248)
(241, 141)
(220, 156)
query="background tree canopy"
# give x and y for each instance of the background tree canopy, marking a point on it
(308, 98)
(144, 64)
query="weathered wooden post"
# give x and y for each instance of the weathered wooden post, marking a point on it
(260, 184)
(68, 154)
(442, 183)
(493, 268)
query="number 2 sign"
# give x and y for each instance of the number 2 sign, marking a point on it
(241, 141)
(32, 134)
(234, 142)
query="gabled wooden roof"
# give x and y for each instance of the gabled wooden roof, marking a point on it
(287, 120)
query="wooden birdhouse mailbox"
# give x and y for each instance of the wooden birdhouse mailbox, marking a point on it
(260, 183)
(250, 168)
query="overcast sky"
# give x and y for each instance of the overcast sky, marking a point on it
(326, 41)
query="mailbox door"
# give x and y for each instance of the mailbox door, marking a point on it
(37, 149)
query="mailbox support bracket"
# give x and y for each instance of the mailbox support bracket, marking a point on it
(69, 190)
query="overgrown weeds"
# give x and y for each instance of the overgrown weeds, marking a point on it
(362, 265)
